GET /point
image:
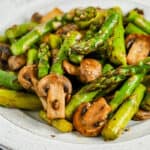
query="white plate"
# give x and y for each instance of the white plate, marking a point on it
(29, 120)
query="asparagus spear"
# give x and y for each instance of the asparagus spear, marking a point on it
(107, 68)
(139, 20)
(146, 81)
(75, 58)
(63, 52)
(24, 43)
(119, 121)
(55, 41)
(98, 18)
(78, 14)
(14, 99)
(60, 124)
(3, 39)
(125, 91)
(86, 47)
(133, 29)
(18, 30)
(9, 80)
(32, 56)
(145, 105)
(103, 85)
(87, 16)
(20, 46)
(116, 48)
(43, 56)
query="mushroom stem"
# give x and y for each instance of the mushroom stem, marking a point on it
(56, 102)
(55, 89)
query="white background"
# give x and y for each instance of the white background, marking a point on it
(19, 139)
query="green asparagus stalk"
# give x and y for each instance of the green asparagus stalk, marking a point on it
(60, 124)
(33, 36)
(146, 81)
(3, 39)
(116, 48)
(18, 30)
(124, 114)
(139, 20)
(75, 58)
(133, 29)
(145, 105)
(43, 56)
(32, 56)
(107, 68)
(12, 41)
(63, 52)
(125, 91)
(103, 85)
(97, 19)
(55, 41)
(9, 80)
(20, 100)
(24, 43)
(86, 47)
(87, 16)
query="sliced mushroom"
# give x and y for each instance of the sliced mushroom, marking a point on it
(16, 62)
(4, 52)
(51, 14)
(66, 28)
(89, 69)
(142, 115)
(28, 79)
(4, 55)
(56, 89)
(36, 17)
(139, 48)
(89, 119)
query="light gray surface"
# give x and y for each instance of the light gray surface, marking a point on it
(19, 139)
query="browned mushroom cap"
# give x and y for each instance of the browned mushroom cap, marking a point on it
(56, 89)
(89, 119)
(27, 77)
(4, 55)
(142, 115)
(88, 71)
(16, 62)
(139, 48)
(51, 14)
(70, 68)
(4, 52)
(66, 28)
(36, 17)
